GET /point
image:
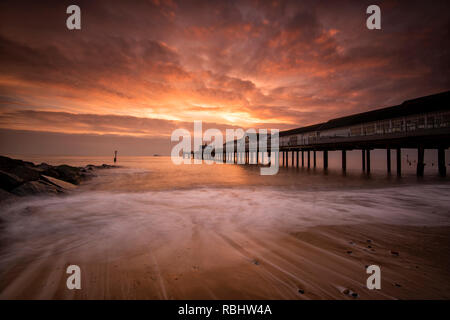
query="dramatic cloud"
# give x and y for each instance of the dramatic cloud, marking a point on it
(144, 68)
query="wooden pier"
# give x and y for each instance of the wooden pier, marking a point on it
(422, 123)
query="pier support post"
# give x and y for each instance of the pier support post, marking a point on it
(283, 157)
(287, 159)
(309, 159)
(325, 159)
(420, 161)
(388, 160)
(368, 160)
(314, 158)
(297, 158)
(257, 156)
(399, 162)
(292, 157)
(363, 159)
(303, 159)
(441, 162)
(344, 160)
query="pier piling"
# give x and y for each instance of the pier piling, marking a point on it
(363, 152)
(420, 161)
(399, 162)
(309, 159)
(441, 162)
(344, 160)
(388, 160)
(314, 158)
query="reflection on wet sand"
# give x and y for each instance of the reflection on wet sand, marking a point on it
(153, 233)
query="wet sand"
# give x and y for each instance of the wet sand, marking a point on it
(203, 263)
(156, 231)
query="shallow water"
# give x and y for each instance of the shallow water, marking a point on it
(152, 198)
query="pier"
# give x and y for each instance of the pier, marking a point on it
(422, 123)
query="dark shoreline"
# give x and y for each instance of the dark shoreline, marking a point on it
(20, 178)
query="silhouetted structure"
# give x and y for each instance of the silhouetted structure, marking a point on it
(422, 123)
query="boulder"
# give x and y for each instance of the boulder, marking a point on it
(23, 178)
(26, 173)
(9, 181)
(59, 183)
(8, 163)
(22, 169)
(65, 173)
(36, 187)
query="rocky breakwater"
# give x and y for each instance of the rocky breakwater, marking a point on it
(21, 178)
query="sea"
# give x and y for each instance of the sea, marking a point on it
(152, 197)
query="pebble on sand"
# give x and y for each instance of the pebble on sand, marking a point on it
(256, 262)
(350, 293)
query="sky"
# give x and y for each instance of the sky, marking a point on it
(137, 70)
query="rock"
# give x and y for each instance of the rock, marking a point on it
(59, 183)
(26, 173)
(8, 163)
(44, 166)
(395, 253)
(350, 293)
(349, 252)
(9, 181)
(301, 291)
(22, 178)
(65, 173)
(36, 187)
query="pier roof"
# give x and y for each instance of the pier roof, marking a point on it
(431, 103)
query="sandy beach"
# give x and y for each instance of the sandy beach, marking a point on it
(311, 264)
(150, 230)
